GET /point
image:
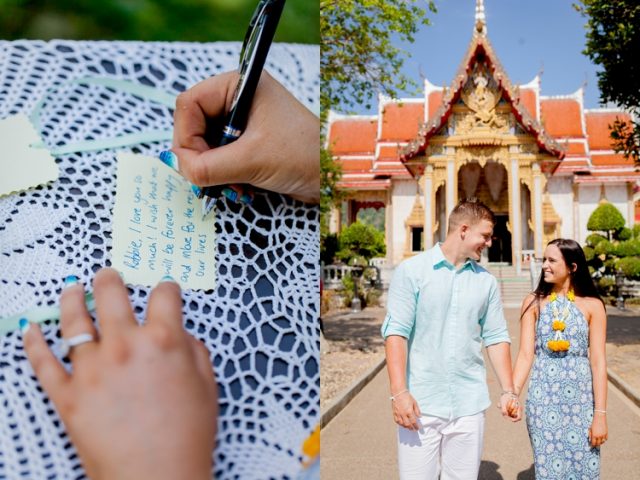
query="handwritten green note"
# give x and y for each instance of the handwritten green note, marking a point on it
(22, 165)
(158, 228)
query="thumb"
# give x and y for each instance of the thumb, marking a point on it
(232, 163)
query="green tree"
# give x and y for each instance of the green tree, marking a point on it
(359, 240)
(358, 53)
(613, 42)
(358, 59)
(605, 218)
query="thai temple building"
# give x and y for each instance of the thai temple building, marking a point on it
(541, 163)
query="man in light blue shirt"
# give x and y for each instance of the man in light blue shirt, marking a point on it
(442, 306)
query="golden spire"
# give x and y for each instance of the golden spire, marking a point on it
(481, 24)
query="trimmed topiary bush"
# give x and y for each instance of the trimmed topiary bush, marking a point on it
(588, 253)
(594, 239)
(360, 240)
(627, 248)
(625, 234)
(605, 218)
(605, 247)
(630, 266)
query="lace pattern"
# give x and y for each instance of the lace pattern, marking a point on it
(260, 323)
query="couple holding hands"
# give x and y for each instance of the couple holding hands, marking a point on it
(442, 306)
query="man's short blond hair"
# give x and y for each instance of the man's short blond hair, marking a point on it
(470, 212)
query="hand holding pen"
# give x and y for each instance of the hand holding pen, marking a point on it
(192, 132)
(278, 151)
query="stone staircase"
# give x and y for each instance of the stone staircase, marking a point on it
(513, 287)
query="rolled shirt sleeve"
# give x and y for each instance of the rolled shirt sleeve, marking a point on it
(494, 325)
(401, 304)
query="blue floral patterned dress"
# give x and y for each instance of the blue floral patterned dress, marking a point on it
(559, 404)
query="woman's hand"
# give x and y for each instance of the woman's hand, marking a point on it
(599, 432)
(278, 151)
(141, 401)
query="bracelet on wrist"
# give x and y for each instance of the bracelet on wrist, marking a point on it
(509, 392)
(393, 397)
(604, 412)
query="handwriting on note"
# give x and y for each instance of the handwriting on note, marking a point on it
(158, 228)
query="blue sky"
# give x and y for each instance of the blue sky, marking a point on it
(528, 36)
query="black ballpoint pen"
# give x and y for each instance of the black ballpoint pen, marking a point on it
(254, 52)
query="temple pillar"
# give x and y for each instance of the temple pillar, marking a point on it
(537, 209)
(388, 225)
(515, 221)
(452, 186)
(429, 207)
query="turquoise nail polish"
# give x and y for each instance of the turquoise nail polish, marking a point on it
(246, 199)
(196, 190)
(70, 281)
(230, 193)
(24, 325)
(167, 278)
(169, 158)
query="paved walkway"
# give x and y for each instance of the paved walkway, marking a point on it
(359, 443)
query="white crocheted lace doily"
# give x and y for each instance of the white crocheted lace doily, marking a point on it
(260, 323)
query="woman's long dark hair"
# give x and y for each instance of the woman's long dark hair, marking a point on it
(581, 280)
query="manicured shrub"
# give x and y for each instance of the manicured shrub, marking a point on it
(605, 218)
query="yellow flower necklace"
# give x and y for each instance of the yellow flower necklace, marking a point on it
(559, 343)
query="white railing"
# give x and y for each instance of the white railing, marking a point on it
(525, 258)
(332, 275)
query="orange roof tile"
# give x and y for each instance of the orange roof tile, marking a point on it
(435, 101)
(353, 136)
(356, 165)
(598, 128)
(561, 117)
(575, 148)
(389, 151)
(610, 159)
(528, 101)
(401, 121)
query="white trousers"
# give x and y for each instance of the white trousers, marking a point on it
(449, 448)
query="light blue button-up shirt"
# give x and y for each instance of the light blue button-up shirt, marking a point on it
(445, 314)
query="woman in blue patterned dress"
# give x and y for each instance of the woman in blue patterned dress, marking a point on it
(563, 332)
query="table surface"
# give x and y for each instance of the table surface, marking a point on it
(260, 322)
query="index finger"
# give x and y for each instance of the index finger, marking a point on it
(208, 99)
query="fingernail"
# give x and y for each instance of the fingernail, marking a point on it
(169, 158)
(167, 278)
(70, 281)
(24, 325)
(230, 193)
(196, 191)
(246, 198)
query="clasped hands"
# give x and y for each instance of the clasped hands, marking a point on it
(510, 407)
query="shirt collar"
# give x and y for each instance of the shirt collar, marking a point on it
(440, 260)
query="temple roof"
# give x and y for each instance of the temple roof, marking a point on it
(480, 50)
(375, 149)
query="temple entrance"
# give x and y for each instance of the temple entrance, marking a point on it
(500, 250)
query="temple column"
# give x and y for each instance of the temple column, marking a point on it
(388, 225)
(429, 206)
(537, 209)
(515, 220)
(451, 186)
